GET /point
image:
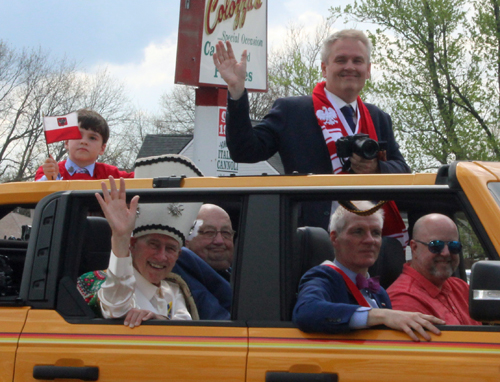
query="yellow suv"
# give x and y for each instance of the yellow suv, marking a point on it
(48, 332)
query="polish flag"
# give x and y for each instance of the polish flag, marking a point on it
(61, 128)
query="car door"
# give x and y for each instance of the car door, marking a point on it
(458, 354)
(61, 339)
(278, 351)
(51, 347)
(12, 319)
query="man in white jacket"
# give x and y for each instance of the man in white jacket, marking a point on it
(136, 287)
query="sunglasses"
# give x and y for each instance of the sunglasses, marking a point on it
(437, 246)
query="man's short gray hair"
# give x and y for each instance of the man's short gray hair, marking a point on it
(339, 217)
(346, 33)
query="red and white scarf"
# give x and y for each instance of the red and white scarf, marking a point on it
(334, 126)
(333, 123)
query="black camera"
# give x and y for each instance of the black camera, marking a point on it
(360, 144)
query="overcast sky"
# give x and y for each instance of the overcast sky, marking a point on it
(135, 40)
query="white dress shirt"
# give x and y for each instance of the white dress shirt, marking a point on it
(341, 103)
(125, 288)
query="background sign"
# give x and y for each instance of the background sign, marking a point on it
(225, 165)
(204, 23)
(244, 24)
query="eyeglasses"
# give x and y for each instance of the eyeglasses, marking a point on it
(211, 233)
(437, 246)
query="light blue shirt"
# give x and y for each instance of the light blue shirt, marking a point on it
(71, 167)
(360, 317)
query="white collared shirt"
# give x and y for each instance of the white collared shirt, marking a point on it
(125, 288)
(341, 103)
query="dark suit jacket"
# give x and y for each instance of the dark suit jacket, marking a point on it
(325, 305)
(211, 293)
(291, 128)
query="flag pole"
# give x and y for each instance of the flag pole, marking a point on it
(46, 144)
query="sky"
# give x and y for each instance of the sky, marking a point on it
(135, 40)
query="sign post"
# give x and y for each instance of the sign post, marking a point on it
(202, 24)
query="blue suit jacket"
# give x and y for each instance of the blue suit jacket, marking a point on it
(291, 128)
(324, 303)
(211, 293)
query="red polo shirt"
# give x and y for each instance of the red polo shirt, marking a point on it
(412, 292)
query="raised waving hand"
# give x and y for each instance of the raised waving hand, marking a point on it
(231, 71)
(121, 219)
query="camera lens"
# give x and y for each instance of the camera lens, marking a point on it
(366, 148)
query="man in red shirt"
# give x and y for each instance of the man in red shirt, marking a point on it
(426, 284)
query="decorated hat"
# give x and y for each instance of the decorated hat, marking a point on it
(171, 219)
(166, 165)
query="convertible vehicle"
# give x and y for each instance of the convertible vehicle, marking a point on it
(48, 332)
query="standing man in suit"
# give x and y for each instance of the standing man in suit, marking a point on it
(304, 129)
(338, 296)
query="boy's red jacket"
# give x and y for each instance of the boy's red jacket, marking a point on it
(101, 171)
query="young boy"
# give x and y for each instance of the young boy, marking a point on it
(82, 153)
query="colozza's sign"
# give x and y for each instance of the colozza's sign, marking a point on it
(204, 23)
(244, 24)
(238, 9)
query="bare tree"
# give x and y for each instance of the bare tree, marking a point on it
(127, 138)
(177, 115)
(33, 85)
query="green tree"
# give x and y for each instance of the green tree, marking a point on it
(295, 68)
(439, 75)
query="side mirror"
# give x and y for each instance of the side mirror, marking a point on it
(484, 291)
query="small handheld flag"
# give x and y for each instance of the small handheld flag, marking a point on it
(61, 128)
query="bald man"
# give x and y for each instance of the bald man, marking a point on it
(426, 285)
(212, 237)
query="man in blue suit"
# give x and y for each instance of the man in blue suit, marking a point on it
(336, 297)
(211, 292)
(304, 129)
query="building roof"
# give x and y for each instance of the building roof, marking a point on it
(11, 225)
(159, 144)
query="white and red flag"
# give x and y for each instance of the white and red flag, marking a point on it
(61, 128)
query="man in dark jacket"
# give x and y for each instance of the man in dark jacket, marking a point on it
(304, 129)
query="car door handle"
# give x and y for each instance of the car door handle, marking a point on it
(281, 376)
(85, 373)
